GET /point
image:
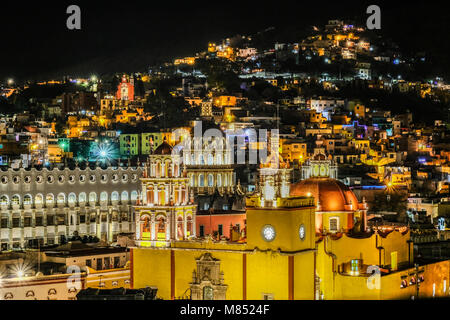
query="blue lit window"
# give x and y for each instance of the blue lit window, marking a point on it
(355, 265)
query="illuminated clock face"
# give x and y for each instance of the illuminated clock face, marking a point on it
(302, 232)
(268, 233)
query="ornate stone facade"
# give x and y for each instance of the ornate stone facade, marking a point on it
(209, 166)
(319, 166)
(166, 212)
(46, 204)
(207, 280)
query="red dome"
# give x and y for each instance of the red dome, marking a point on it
(332, 194)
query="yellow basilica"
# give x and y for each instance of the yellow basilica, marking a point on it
(303, 241)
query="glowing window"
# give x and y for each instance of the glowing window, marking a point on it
(15, 200)
(27, 199)
(334, 224)
(4, 200)
(354, 266)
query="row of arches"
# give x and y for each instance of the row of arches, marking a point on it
(71, 198)
(160, 195)
(164, 169)
(208, 180)
(71, 178)
(159, 228)
(205, 159)
(44, 219)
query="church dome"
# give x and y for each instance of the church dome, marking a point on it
(332, 194)
(164, 149)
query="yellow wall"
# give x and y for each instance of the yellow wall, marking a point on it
(304, 276)
(151, 267)
(267, 272)
(336, 286)
(286, 223)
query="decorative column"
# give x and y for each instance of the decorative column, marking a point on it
(109, 224)
(33, 223)
(193, 226)
(152, 226)
(67, 221)
(185, 226)
(22, 228)
(167, 192)
(138, 227)
(144, 194)
(168, 226)
(98, 225)
(10, 224)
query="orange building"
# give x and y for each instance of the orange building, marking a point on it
(125, 90)
(222, 222)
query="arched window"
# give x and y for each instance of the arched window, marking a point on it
(189, 226)
(124, 196)
(61, 199)
(161, 195)
(134, 195)
(72, 198)
(193, 180)
(28, 199)
(180, 228)
(104, 196)
(158, 169)
(219, 180)
(208, 293)
(183, 195)
(219, 158)
(82, 197)
(210, 180)
(176, 170)
(39, 199)
(161, 228)
(115, 196)
(92, 198)
(15, 200)
(210, 159)
(4, 200)
(49, 199)
(225, 182)
(168, 168)
(201, 180)
(202, 159)
(150, 195)
(145, 227)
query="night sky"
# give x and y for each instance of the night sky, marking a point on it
(130, 35)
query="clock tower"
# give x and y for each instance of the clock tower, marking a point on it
(275, 220)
